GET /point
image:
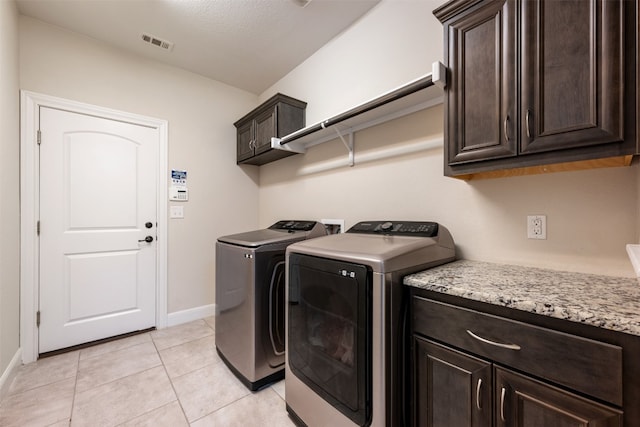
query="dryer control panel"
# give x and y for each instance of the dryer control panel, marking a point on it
(397, 228)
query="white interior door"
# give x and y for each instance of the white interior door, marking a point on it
(97, 204)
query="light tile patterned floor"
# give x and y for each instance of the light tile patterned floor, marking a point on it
(172, 377)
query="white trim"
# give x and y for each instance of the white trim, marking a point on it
(9, 374)
(29, 115)
(191, 314)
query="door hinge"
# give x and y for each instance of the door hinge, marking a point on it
(38, 319)
(38, 227)
(39, 137)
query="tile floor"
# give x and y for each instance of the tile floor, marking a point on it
(171, 377)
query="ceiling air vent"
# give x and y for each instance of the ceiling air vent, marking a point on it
(153, 40)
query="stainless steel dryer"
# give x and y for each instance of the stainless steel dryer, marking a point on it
(345, 304)
(250, 292)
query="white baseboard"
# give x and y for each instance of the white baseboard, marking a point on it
(10, 373)
(191, 314)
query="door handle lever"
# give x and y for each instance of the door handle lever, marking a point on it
(147, 239)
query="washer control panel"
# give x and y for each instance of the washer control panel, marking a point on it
(397, 228)
(293, 225)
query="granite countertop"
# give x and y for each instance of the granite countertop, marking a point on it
(603, 301)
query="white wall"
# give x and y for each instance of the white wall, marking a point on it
(591, 215)
(9, 186)
(223, 198)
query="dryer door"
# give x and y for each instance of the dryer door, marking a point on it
(329, 331)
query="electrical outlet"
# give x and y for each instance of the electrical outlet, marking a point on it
(333, 226)
(537, 227)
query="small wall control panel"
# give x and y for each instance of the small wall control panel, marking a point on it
(397, 228)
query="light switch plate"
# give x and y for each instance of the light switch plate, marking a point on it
(176, 212)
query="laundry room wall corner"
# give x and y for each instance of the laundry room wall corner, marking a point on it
(9, 192)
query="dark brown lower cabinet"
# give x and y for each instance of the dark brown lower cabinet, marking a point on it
(453, 388)
(525, 402)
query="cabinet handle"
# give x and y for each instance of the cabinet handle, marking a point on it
(252, 144)
(527, 123)
(478, 387)
(502, 395)
(497, 344)
(506, 133)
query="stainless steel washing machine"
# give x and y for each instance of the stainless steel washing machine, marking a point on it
(345, 310)
(250, 293)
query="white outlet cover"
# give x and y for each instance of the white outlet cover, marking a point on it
(531, 233)
(634, 256)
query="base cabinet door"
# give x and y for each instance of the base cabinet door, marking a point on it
(452, 388)
(525, 402)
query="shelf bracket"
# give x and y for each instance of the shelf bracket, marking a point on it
(348, 145)
(290, 146)
(439, 74)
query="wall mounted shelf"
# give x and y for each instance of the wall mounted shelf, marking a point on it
(414, 96)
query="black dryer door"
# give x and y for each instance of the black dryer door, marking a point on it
(329, 331)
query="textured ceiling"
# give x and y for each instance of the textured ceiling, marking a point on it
(249, 44)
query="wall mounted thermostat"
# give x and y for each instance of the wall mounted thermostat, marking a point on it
(178, 194)
(178, 190)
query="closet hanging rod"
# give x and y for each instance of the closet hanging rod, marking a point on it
(436, 77)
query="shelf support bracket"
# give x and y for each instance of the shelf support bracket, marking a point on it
(439, 74)
(290, 146)
(348, 145)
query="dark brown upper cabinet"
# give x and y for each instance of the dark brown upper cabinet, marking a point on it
(280, 115)
(539, 85)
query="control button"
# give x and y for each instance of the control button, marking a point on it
(386, 226)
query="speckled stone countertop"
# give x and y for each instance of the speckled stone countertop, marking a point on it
(602, 301)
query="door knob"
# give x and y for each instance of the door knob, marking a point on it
(148, 224)
(147, 239)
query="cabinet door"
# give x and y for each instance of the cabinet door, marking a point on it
(265, 129)
(481, 98)
(245, 141)
(572, 74)
(451, 388)
(524, 402)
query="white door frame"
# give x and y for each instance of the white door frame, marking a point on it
(30, 103)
